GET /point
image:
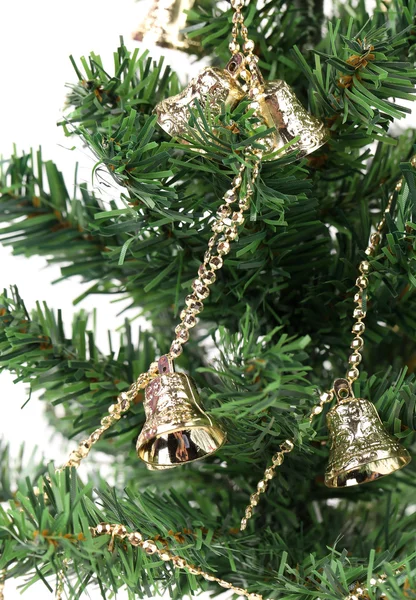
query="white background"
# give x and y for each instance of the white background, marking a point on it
(36, 38)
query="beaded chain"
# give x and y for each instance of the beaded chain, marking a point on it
(229, 216)
(354, 360)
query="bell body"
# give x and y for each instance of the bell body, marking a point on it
(361, 448)
(163, 24)
(214, 86)
(281, 109)
(177, 430)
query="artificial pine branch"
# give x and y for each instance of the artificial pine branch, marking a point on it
(282, 329)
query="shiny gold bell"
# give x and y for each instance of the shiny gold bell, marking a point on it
(177, 430)
(282, 110)
(163, 25)
(213, 86)
(361, 448)
(279, 108)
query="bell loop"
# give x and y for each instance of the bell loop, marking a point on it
(342, 390)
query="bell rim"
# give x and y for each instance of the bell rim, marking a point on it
(404, 456)
(206, 425)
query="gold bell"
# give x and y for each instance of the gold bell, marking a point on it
(361, 448)
(163, 25)
(177, 430)
(281, 109)
(213, 86)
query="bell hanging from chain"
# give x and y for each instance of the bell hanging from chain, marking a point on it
(361, 448)
(163, 25)
(213, 87)
(279, 108)
(177, 430)
(282, 110)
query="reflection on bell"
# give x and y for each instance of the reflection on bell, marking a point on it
(212, 87)
(361, 448)
(177, 430)
(281, 109)
(163, 25)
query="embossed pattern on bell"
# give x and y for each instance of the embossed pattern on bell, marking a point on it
(177, 430)
(280, 108)
(212, 85)
(361, 448)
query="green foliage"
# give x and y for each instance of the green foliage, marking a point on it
(275, 328)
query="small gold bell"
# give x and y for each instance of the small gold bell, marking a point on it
(163, 24)
(177, 430)
(361, 448)
(213, 85)
(281, 109)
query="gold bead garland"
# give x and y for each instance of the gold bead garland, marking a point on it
(354, 360)
(149, 546)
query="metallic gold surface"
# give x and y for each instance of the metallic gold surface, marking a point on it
(281, 109)
(163, 24)
(212, 86)
(177, 430)
(361, 448)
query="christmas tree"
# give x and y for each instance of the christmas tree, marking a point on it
(274, 334)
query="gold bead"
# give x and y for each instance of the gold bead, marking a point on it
(249, 512)
(244, 204)
(223, 247)
(375, 239)
(230, 233)
(106, 421)
(225, 584)
(353, 374)
(287, 446)
(149, 547)
(237, 181)
(234, 47)
(361, 282)
(277, 459)
(269, 473)
(194, 570)
(364, 267)
(237, 4)
(243, 524)
(200, 289)
(216, 262)
(120, 531)
(182, 333)
(358, 313)
(317, 410)
(355, 358)
(135, 538)
(165, 555)
(238, 218)
(357, 343)
(224, 211)
(248, 46)
(369, 251)
(358, 297)
(413, 161)
(176, 349)
(358, 328)
(254, 499)
(208, 576)
(179, 562)
(262, 486)
(189, 319)
(230, 197)
(326, 397)
(255, 597)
